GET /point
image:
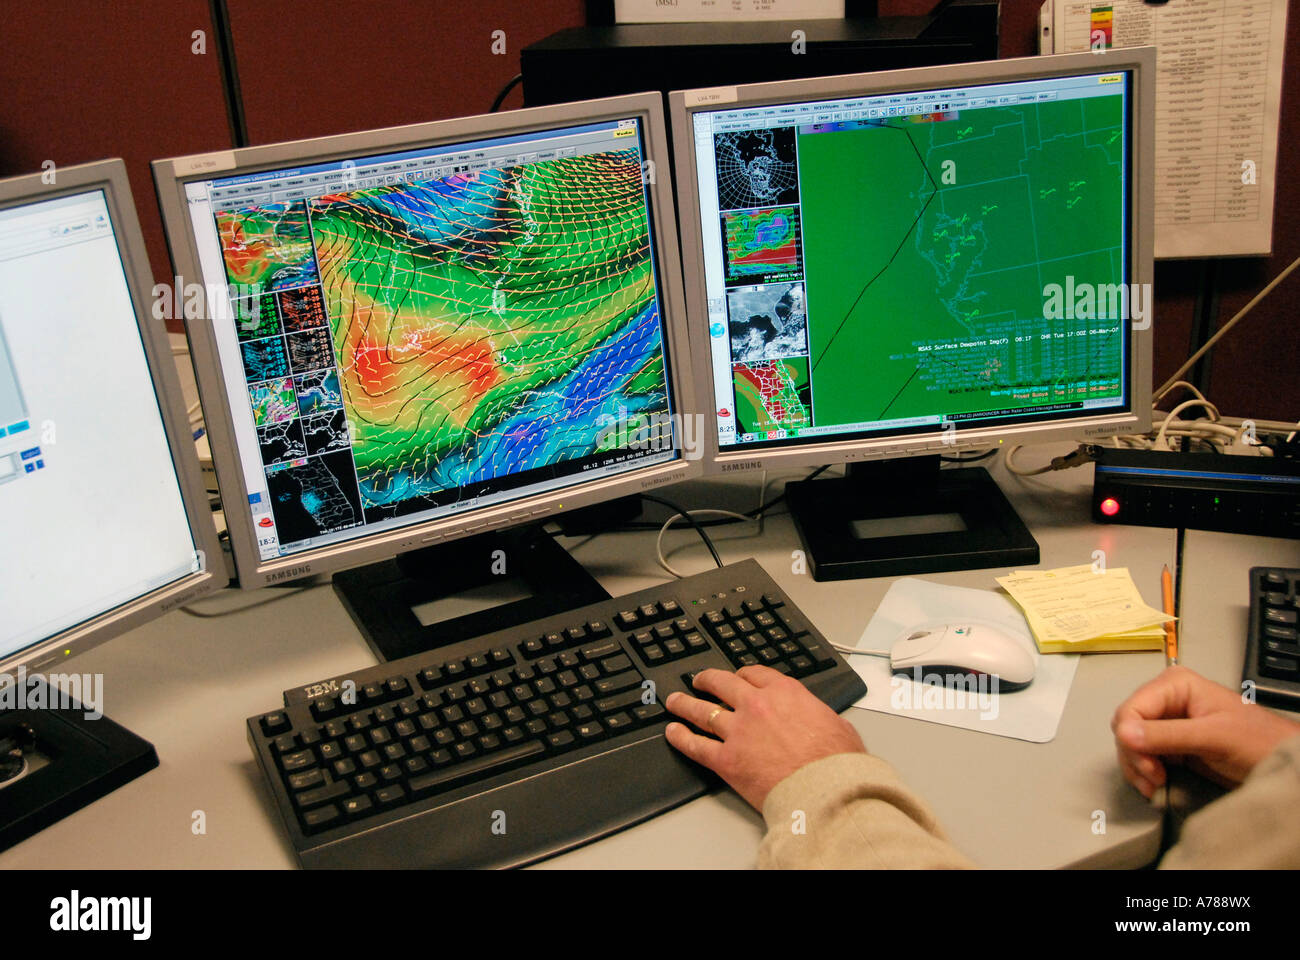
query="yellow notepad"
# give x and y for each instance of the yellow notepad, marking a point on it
(1085, 610)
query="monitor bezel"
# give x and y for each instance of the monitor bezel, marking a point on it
(110, 177)
(171, 177)
(684, 104)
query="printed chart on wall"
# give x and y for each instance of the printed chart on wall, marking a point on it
(1218, 98)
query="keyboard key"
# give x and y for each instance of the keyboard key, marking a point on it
(627, 619)
(327, 793)
(598, 651)
(589, 731)
(357, 806)
(297, 761)
(561, 740)
(647, 712)
(481, 768)
(320, 819)
(430, 677)
(388, 796)
(616, 664)
(307, 779)
(397, 687)
(596, 629)
(618, 722)
(274, 724)
(344, 768)
(620, 681)
(619, 701)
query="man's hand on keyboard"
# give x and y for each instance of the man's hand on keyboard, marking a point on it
(1182, 714)
(768, 727)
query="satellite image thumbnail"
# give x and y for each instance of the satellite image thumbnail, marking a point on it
(767, 322)
(318, 392)
(756, 168)
(313, 498)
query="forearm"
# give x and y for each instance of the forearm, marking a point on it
(1252, 827)
(851, 811)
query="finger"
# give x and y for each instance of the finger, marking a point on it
(725, 685)
(1139, 782)
(760, 676)
(1165, 696)
(703, 750)
(699, 711)
(1195, 736)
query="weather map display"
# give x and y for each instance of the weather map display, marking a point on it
(773, 396)
(762, 244)
(926, 257)
(439, 328)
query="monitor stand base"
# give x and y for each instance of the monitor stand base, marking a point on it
(536, 575)
(907, 516)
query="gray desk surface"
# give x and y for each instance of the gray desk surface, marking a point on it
(188, 684)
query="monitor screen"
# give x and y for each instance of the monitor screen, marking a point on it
(425, 332)
(915, 258)
(91, 506)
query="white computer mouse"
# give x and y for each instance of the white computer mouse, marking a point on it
(964, 648)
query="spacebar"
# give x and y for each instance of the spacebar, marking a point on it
(474, 769)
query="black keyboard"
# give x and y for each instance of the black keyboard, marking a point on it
(506, 748)
(1273, 643)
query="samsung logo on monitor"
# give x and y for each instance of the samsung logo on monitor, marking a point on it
(747, 465)
(292, 573)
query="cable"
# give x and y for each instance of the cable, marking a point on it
(1163, 444)
(203, 615)
(754, 514)
(1209, 344)
(1075, 458)
(693, 522)
(975, 459)
(866, 653)
(505, 91)
(659, 541)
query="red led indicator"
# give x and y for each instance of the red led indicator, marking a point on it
(1110, 506)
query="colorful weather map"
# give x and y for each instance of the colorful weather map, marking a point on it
(484, 324)
(267, 247)
(761, 243)
(479, 331)
(273, 401)
(772, 396)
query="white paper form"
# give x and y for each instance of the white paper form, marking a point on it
(1218, 96)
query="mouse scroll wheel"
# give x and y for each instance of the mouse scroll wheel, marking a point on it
(920, 634)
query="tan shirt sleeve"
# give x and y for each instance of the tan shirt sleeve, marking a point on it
(1254, 826)
(851, 811)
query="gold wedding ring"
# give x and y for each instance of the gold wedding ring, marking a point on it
(709, 723)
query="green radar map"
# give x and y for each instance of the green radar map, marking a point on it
(929, 242)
